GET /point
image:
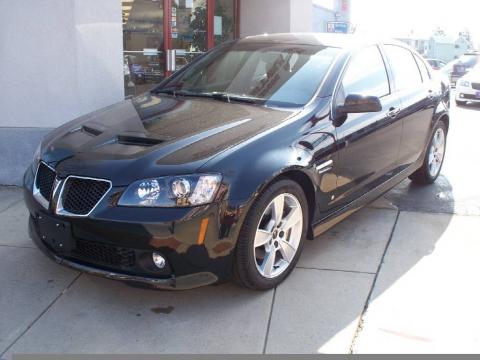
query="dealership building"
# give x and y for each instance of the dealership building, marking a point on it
(62, 59)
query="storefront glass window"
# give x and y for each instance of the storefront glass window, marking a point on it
(142, 44)
(224, 21)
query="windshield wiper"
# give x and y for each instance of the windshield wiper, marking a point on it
(212, 95)
(232, 97)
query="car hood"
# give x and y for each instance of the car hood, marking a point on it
(154, 135)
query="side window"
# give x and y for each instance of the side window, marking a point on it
(404, 67)
(366, 74)
(423, 69)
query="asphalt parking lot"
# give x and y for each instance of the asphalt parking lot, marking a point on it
(400, 276)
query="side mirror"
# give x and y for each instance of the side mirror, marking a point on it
(356, 104)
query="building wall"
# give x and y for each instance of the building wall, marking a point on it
(321, 16)
(265, 16)
(301, 19)
(275, 16)
(60, 60)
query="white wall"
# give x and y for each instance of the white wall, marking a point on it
(301, 16)
(275, 16)
(60, 59)
(264, 16)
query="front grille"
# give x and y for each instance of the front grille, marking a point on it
(81, 195)
(476, 86)
(103, 254)
(45, 180)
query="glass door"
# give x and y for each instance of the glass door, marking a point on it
(162, 36)
(143, 45)
(189, 30)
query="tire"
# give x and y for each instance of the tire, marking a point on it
(252, 261)
(425, 175)
(461, 103)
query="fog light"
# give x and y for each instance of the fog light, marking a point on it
(159, 260)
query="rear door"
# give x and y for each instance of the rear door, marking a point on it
(368, 143)
(418, 95)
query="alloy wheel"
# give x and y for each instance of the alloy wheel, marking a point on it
(278, 235)
(437, 153)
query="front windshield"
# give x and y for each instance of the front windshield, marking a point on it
(271, 74)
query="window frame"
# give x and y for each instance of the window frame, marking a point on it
(392, 69)
(421, 63)
(346, 66)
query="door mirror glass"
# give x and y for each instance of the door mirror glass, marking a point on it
(356, 104)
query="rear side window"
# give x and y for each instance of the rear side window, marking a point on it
(423, 69)
(366, 74)
(404, 67)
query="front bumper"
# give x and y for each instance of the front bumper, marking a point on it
(464, 93)
(170, 283)
(118, 243)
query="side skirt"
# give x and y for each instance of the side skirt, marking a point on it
(340, 215)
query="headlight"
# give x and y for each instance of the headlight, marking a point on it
(175, 191)
(465, 83)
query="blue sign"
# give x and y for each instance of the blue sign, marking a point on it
(338, 27)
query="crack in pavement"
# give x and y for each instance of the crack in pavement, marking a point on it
(367, 302)
(49, 306)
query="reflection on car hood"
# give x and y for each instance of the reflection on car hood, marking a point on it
(154, 135)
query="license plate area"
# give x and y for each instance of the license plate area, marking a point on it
(55, 233)
(477, 94)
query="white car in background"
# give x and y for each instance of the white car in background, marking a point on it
(468, 87)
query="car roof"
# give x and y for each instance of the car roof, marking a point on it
(332, 40)
(343, 41)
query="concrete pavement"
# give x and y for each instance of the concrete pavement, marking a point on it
(384, 280)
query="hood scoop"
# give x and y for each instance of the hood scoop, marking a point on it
(127, 144)
(90, 130)
(138, 141)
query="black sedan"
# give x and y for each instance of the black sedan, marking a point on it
(231, 164)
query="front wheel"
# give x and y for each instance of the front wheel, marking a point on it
(272, 236)
(433, 162)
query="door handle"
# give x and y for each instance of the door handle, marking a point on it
(393, 112)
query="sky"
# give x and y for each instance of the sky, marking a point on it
(396, 18)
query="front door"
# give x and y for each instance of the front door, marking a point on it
(162, 36)
(368, 143)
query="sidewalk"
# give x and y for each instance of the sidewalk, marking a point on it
(421, 298)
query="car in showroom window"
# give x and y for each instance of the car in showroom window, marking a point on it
(230, 165)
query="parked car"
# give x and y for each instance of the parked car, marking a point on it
(462, 66)
(232, 163)
(436, 64)
(468, 87)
